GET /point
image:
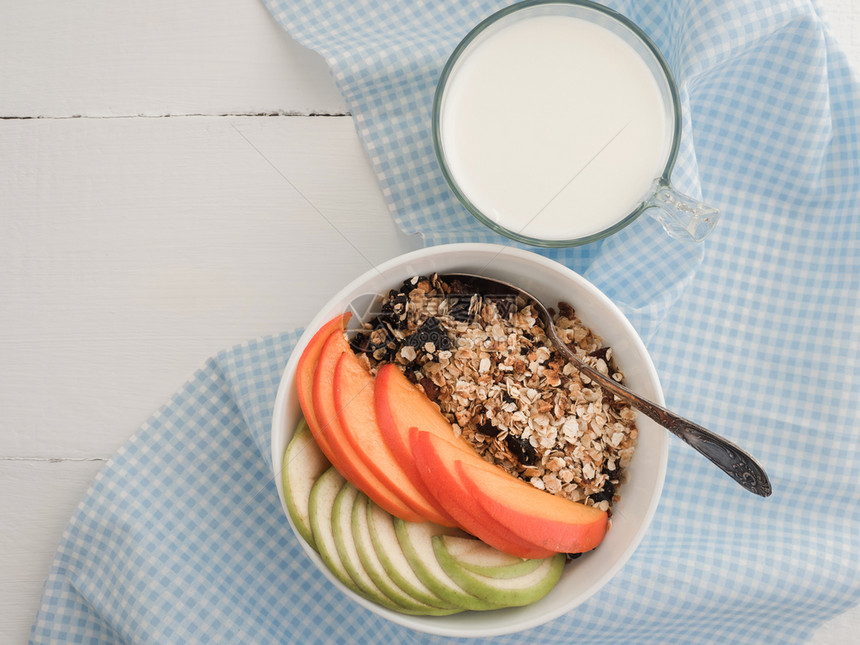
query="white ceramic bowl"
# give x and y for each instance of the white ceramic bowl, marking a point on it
(551, 282)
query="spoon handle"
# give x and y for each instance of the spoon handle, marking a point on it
(734, 461)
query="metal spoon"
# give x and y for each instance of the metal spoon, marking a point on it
(734, 461)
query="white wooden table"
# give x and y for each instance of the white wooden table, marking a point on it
(163, 170)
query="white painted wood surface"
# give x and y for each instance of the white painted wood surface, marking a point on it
(99, 58)
(133, 246)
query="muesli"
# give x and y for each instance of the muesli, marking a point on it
(486, 362)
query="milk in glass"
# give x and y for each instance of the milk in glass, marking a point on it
(554, 127)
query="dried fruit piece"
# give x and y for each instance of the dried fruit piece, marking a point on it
(430, 331)
(606, 494)
(522, 449)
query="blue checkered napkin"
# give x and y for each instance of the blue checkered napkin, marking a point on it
(756, 334)
(179, 526)
(181, 538)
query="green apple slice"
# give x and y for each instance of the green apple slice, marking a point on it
(323, 495)
(416, 539)
(373, 566)
(304, 462)
(341, 529)
(507, 592)
(479, 557)
(393, 559)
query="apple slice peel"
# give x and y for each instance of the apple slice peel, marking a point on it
(354, 394)
(345, 457)
(393, 559)
(513, 591)
(341, 527)
(304, 462)
(321, 503)
(416, 540)
(479, 557)
(374, 568)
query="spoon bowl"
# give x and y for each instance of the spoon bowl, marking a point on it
(730, 458)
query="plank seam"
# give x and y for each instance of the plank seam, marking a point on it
(278, 113)
(53, 460)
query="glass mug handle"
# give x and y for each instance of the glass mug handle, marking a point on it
(681, 216)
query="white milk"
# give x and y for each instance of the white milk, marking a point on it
(554, 127)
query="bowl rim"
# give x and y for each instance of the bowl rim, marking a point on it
(279, 427)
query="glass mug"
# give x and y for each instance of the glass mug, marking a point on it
(557, 123)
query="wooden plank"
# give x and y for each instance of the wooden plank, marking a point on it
(842, 17)
(38, 499)
(155, 57)
(134, 249)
